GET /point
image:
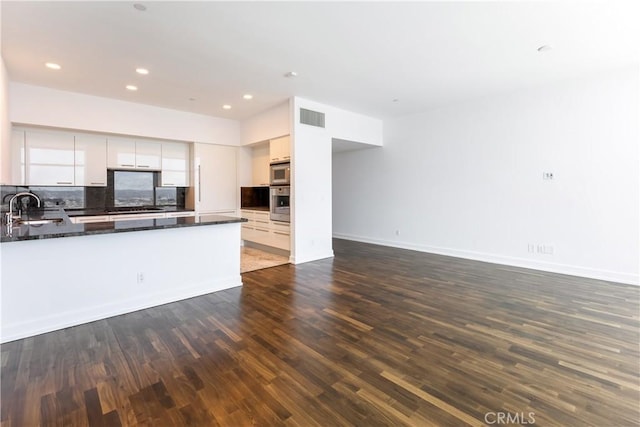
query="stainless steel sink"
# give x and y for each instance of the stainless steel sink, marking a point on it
(38, 221)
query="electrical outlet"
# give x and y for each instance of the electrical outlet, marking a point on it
(547, 176)
(530, 248)
(544, 249)
(140, 277)
(397, 232)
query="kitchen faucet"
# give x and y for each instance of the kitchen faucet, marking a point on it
(10, 213)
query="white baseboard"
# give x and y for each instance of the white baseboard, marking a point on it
(309, 258)
(36, 326)
(613, 276)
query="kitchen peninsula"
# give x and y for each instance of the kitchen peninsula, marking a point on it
(60, 274)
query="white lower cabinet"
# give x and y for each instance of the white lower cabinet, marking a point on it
(180, 214)
(260, 229)
(141, 216)
(129, 217)
(89, 219)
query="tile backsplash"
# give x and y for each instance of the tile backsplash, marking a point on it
(74, 197)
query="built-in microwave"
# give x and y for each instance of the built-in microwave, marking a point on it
(280, 173)
(280, 209)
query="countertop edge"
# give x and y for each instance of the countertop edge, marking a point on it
(99, 228)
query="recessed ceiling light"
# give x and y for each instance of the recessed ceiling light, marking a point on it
(192, 99)
(53, 65)
(140, 7)
(247, 96)
(545, 48)
(226, 107)
(291, 74)
(395, 100)
(131, 87)
(143, 71)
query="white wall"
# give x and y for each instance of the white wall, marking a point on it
(5, 127)
(311, 188)
(269, 124)
(311, 170)
(35, 105)
(466, 180)
(349, 126)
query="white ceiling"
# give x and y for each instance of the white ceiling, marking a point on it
(358, 56)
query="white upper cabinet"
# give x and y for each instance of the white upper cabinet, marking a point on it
(121, 153)
(90, 160)
(216, 178)
(260, 164)
(175, 164)
(16, 174)
(279, 150)
(148, 155)
(49, 158)
(128, 153)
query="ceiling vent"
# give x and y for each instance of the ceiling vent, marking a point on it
(312, 118)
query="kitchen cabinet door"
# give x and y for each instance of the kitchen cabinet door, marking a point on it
(260, 156)
(121, 153)
(279, 150)
(49, 158)
(89, 219)
(180, 214)
(128, 153)
(148, 155)
(175, 164)
(90, 160)
(216, 178)
(16, 173)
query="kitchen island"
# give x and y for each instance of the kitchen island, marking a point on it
(56, 275)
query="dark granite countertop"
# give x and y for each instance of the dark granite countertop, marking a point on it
(66, 228)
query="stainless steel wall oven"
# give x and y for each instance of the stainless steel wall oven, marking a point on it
(280, 209)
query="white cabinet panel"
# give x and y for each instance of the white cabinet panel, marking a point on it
(174, 179)
(148, 155)
(49, 158)
(175, 164)
(89, 219)
(260, 229)
(279, 150)
(121, 153)
(90, 160)
(128, 153)
(18, 163)
(180, 214)
(216, 175)
(139, 217)
(260, 165)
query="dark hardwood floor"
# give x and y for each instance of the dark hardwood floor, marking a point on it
(377, 336)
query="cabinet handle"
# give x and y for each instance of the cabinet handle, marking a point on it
(259, 229)
(97, 183)
(169, 184)
(199, 184)
(65, 182)
(144, 166)
(282, 234)
(127, 166)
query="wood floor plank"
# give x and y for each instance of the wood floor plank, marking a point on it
(376, 336)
